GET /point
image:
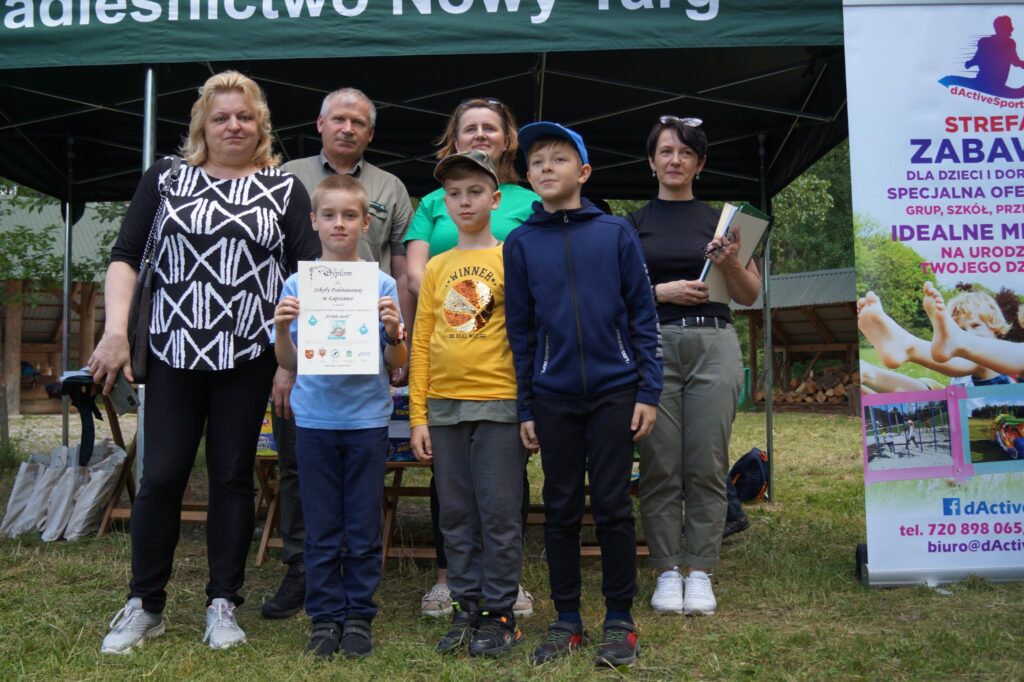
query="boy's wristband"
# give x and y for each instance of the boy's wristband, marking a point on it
(397, 340)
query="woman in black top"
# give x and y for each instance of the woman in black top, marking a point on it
(232, 229)
(688, 448)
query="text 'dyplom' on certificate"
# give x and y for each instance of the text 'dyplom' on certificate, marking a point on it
(338, 326)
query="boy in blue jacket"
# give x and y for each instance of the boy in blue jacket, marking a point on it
(585, 342)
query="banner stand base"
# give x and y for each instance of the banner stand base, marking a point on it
(932, 577)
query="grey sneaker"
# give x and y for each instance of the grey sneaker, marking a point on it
(524, 604)
(222, 629)
(437, 603)
(131, 627)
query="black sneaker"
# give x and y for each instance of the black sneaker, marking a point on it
(619, 646)
(563, 638)
(325, 640)
(496, 635)
(290, 595)
(735, 526)
(356, 641)
(464, 625)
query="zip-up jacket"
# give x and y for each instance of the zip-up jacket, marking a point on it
(579, 310)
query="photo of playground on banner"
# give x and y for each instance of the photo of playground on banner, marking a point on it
(908, 435)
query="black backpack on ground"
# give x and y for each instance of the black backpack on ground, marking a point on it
(749, 475)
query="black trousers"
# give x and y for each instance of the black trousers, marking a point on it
(292, 526)
(589, 437)
(179, 403)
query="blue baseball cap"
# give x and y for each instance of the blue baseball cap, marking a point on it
(532, 132)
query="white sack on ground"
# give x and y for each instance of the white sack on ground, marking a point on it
(93, 497)
(17, 504)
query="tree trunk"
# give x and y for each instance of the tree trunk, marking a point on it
(12, 346)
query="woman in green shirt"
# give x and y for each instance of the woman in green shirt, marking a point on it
(490, 126)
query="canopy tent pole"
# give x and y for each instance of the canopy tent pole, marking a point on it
(769, 365)
(149, 120)
(65, 334)
(148, 156)
(538, 111)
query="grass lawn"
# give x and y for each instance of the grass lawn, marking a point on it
(790, 607)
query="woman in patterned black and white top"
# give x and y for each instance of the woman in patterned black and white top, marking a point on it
(234, 228)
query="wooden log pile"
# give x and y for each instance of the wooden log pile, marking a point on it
(832, 385)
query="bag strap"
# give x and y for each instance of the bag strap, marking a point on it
(161, 211)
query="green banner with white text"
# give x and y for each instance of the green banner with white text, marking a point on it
(39, 33)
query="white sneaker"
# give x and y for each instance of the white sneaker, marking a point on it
(700, 598)
(668, 595)
(131, 627)
(524, 604)
(437, 603)
(222, 629)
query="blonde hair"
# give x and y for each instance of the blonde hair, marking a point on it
(976, 304)
(194, 150)
(341, 183)
(506, 166)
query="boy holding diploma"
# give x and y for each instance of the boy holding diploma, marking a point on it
(341, 442)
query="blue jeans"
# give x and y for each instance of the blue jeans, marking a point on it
(342, 479)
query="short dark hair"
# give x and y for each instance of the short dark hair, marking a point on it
(550, 141)
(692, 136)
(340, 183)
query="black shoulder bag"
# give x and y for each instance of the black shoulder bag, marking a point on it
(142, 297)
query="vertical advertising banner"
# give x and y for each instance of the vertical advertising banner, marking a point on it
(936, 114)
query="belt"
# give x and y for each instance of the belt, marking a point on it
(701, 321)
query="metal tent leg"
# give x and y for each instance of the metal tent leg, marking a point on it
(65, 336)
(769, 365)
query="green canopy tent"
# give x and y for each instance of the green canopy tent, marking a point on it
(76, 69)
(91, 90)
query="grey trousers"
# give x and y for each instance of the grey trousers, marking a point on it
(688, 450)
(478, 468)
(292, 526)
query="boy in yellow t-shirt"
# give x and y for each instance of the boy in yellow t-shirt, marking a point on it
(463, 413)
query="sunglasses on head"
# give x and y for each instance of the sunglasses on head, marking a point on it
(481, 100)
(689, 121)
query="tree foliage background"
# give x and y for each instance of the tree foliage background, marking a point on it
(812, 218)
(35, 256)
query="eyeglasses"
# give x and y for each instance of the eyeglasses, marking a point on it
(728, 237)
(689, 121)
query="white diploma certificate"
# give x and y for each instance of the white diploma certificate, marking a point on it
(338, 326)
